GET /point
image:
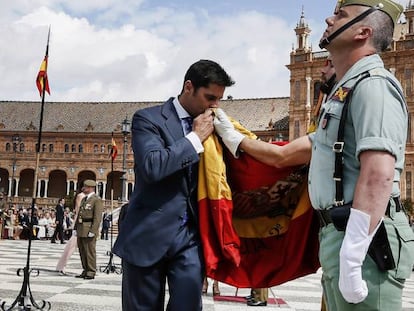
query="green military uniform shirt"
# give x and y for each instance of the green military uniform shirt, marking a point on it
(377, 120)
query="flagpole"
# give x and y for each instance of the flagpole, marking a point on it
(25, 298)
(111, 267)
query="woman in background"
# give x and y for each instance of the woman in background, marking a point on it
(72, 244)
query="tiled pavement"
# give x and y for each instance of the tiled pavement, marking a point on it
(104, 292)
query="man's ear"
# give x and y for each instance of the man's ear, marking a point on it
(188, 86)
(364, 32)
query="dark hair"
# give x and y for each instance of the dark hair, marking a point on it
(204, 72)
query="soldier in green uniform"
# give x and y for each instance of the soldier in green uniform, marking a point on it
(87, 228)
(356, 158)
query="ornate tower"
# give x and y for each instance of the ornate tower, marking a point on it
(409, 16)
(305, 72)
(302, 34)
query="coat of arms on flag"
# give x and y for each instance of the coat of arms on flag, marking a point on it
(257, 225)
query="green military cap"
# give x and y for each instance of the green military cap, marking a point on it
(89, 183)
(392, 8)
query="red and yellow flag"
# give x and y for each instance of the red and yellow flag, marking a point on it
(257, 226)
(41, 80)
(114, 150)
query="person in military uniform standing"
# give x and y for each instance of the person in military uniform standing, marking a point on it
(87, 228)
(356, 159)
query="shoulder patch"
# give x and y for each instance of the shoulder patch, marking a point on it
(341, 94)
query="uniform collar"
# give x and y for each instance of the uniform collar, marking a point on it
(364, 64)
(89, 195)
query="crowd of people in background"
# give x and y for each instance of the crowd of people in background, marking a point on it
(15, 221)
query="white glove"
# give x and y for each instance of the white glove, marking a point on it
(225, 129)
(352, 254)
(91, 235)
(74, 232)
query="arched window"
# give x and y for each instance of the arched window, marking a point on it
(43, 147)
(95, 148)
(80, 148)
(21, 147)
(73, 148)
(50, 147)
(8, 147)
(102, 148)
(66, 148)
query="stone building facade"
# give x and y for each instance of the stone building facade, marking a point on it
(76, 141)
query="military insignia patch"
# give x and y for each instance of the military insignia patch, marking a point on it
(341, 94)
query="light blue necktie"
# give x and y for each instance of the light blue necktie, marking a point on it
(188, 127)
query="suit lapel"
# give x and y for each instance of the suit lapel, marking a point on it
(172, 122)
(173, 125)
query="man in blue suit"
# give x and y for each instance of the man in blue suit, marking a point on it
(159, 239)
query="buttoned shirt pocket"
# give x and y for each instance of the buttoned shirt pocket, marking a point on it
(329, 123)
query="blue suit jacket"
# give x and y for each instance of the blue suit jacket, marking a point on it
(161, 196)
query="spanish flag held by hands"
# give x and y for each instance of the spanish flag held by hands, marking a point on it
(257, 225)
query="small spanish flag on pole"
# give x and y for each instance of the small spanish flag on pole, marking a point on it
(113, 152)
(114, 149)
(42, 82)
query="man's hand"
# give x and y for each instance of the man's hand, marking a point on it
(352, 254)
(225, 129)
(74, 232)
(91, 235)
(203, 125)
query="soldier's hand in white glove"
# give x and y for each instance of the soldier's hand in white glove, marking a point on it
(91, 235)
(352, 254)
(74, 232)
(225, 129)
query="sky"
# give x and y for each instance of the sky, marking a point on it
(139, 50)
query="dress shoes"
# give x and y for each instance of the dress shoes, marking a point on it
(89, 277)
(54, 242)
(254, 303)
(63, 242)
(80, 276)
